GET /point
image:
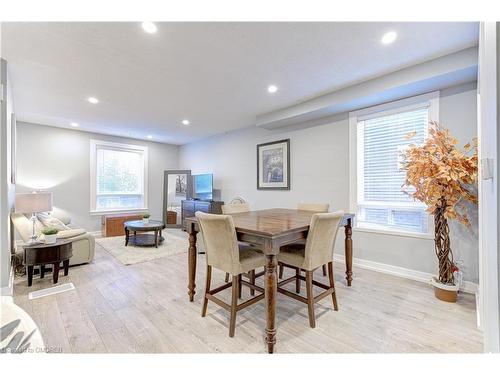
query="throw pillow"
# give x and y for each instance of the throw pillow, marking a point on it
(51, 221)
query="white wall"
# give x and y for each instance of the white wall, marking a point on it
(7, 189)
(320, 173)
(58, 160)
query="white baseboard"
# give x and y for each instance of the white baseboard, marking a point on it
(96, 234)
(9, 289)
(467, 286)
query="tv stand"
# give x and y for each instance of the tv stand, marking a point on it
(190, 206)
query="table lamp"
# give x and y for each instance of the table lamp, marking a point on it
(32, 203)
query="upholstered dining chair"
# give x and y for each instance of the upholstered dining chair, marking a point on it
(316, 207)
(316, 252)
(225, 253)
(235, 208)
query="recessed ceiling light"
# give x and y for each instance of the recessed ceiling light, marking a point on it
(93, 100)
(150, 136)
(149, 27)
(389, 37)
(74, 124)
(185, 122)
(272, 88)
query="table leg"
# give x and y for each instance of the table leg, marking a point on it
(192, 265)
(348, 252)
(30, 275)
(55, 272)
(271, 286)
(127, 236)
(42, 271)
(156, 238)
(66, 267)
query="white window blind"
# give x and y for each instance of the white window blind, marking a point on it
(381, 138)
(119, 176)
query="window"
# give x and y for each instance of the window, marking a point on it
(118, 177)
(378, 138)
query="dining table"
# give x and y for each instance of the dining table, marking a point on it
(269, 230)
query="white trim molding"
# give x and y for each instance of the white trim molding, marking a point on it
(406, 273)
(9, 289)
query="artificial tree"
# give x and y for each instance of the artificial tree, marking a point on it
(443, 177)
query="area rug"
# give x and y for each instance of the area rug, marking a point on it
(175, 243)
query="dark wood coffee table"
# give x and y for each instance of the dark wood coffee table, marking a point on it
(40, 254)
(143, 238)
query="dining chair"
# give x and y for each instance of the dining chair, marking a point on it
(316, 252)
(316, 207)
(235, 208)
(225, 253)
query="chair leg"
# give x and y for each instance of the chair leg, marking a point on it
(207, 290)
(310, 298)
(281, 271)
(297, 280)
(239, 286)
(324, 269)
(252, 281)
(332, 284)
(227, 278)
(234, 304)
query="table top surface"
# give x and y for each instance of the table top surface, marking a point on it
(139, 224)
(42, 245)
(274, 221)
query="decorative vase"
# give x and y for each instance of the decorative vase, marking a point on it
(50, 238)
(444, 292)
(145, 220)
(444, 286)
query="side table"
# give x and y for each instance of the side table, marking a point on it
(40, 254)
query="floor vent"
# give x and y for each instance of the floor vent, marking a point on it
(49, 291)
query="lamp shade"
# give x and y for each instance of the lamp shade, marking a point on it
(27, 203)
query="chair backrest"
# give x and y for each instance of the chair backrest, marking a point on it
(235, 208)
(321, 238)
(221, 244)
(318, 207)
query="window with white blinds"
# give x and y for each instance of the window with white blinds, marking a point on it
(380, 139)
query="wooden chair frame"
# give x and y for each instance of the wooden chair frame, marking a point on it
(252, 276)
(236, 285)
(310, 299)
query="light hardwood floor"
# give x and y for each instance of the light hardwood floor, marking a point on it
(144, 308)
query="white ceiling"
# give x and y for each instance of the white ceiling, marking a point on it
(214, 74)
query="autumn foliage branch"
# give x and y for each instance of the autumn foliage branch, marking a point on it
(440, 175)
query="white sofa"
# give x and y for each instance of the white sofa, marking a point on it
(83, 242)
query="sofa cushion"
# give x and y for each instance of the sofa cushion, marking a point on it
(50, 221)
(68, 233)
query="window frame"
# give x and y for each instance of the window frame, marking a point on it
(429, 100)
(94, 146)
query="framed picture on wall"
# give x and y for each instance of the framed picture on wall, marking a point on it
(273, 165)
(13, 148)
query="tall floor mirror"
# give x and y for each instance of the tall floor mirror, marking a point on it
(177, 186)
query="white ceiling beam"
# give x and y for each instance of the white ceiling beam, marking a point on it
(453, 69)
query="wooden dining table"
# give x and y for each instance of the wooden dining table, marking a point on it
(269, 230)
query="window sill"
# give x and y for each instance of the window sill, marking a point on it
(110, 212)
(425, 236)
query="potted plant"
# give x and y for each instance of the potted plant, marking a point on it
(50, 235)
(145, 218)
(443, 177)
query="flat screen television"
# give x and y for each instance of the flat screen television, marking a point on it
(203, 186)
